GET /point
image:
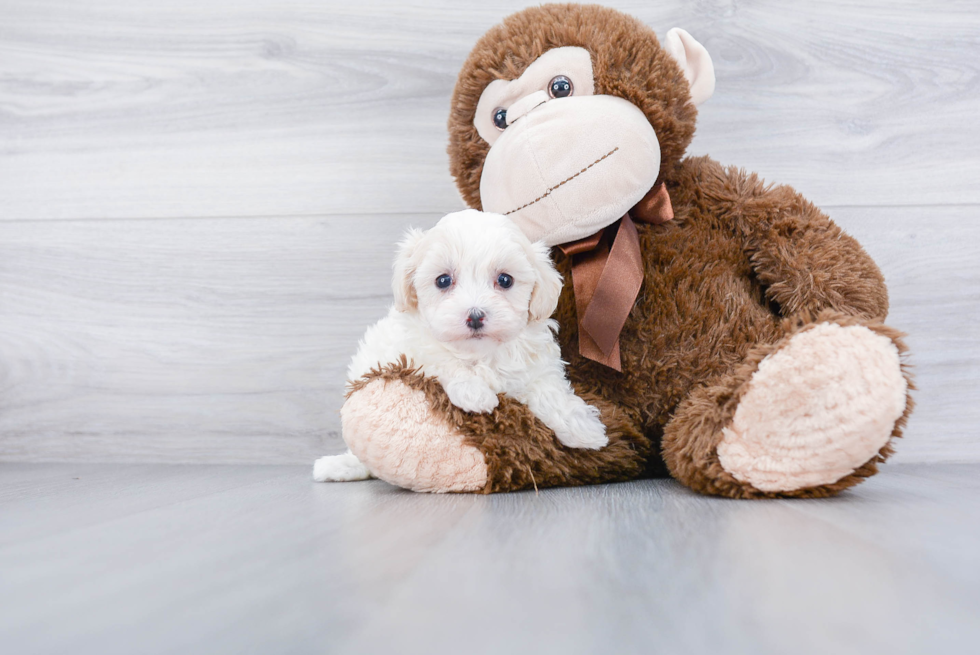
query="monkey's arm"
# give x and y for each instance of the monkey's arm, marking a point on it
(804, 260)
(403, 427)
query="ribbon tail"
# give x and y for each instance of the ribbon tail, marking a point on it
(617, 289)
(588, 348)
(606, 279)
(588, 260)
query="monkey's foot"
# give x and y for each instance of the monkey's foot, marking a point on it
(819, 407)
(391, 426)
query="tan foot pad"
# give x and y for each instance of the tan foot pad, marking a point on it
(392, 430)
(816, 409)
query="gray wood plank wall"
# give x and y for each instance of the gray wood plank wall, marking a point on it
(198, 200)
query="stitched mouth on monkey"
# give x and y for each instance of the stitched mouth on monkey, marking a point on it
(562, 183)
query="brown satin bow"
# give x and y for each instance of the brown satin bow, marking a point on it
(607, 273)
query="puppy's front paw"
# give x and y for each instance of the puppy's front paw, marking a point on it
(339, 468)
(583, 429)
(471, 395)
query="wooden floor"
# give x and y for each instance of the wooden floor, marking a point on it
(199, 198)
(259, 559)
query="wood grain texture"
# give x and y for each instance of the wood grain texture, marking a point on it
(254, 108)
(226, 340)
(231, 338)
(931, 261)
(230, 559)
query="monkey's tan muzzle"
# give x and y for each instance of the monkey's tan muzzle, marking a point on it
(569, 167)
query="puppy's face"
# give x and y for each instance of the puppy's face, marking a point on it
(475, 279)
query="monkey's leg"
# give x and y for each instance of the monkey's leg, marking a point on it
(402, 426)
(807, 416)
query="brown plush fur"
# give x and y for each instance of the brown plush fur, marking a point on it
(741, 268)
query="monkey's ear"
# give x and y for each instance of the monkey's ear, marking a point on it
(405, 264)
(695, 62)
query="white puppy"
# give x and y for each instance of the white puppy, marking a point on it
(473, 300)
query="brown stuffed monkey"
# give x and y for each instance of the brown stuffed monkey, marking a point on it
(729, 332)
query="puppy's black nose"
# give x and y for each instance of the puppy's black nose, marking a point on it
(475, 320)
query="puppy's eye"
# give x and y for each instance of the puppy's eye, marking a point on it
(444, 281)
(560, 87)
(505, 281)
(500, 118)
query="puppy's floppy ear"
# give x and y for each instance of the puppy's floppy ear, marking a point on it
(405, 264)
(547, 283)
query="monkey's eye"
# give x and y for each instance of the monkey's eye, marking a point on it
(444, 281)
(500, 118)
(560, 87)
(505, 281)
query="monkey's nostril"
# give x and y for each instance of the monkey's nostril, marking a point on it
(475, 320)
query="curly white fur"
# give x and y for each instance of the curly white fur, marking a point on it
(510, 350)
